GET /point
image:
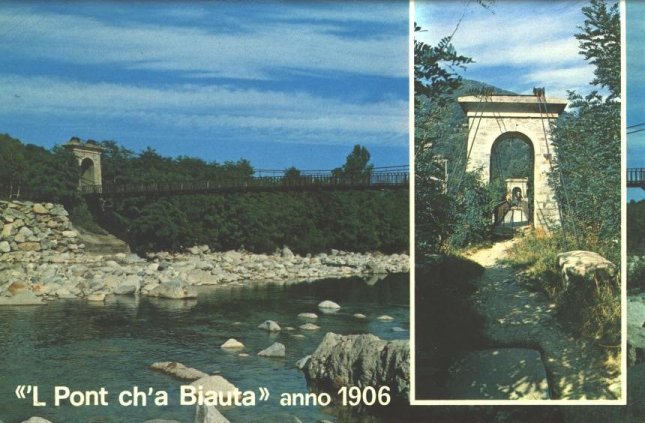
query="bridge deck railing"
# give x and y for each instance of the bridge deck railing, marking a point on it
(636, 177)
(374, 179)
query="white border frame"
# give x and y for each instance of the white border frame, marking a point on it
(623, 196)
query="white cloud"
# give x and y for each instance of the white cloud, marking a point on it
(519, 35)
(251, 53)
(209, 108)
(560, 78)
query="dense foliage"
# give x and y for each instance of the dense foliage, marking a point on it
(636, 228)
(587, 174)
(587, 181)
(261, 222)
(29, 171)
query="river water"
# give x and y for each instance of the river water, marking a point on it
(86, 346)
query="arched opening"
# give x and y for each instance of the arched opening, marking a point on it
(87, 172)
(512, 179)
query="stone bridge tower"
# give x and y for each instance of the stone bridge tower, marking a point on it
(492, 119)
(89, 160)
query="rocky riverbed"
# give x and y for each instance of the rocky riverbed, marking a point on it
(42, 258)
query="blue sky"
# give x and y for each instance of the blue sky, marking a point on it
(516, 45)
(280, 83)
(635, 33)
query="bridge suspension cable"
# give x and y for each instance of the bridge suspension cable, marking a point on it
(541, 98)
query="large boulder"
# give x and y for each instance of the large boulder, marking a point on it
(216, 383)
(585, 266)
(173, 289)
(130, 286)
(498, 374)
(361, 360)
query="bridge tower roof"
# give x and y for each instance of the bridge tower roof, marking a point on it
(511, 106)
(76, 144)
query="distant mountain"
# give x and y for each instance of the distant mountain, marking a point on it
(471, 87)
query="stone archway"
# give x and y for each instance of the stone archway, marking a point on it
(88, 155)
(491, 118)
(87, 172)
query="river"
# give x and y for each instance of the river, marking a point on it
(87, 346)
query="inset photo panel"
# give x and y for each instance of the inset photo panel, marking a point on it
(518, 289)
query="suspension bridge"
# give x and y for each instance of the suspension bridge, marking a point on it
(263, 180)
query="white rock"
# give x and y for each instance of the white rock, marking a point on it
(287, 253)
(64, 293)
(385, 318)
(216, 384)
(96, 297)
(308, 315)
(269, 325)
(232, 344)
(194, 250)
(36, 420)
(5, 247)
(309, 326)
(201, 277)
(360, 316)
(173, 289)
(39, 209)
(275, 350)
(178, 370)
(329, 305)
(129, 286)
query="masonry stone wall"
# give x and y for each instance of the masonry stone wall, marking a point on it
(38, 227)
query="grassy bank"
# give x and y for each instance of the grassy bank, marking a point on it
(590, 310)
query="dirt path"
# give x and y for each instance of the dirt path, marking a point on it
(515, 316)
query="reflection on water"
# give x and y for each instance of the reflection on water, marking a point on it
(88, 345)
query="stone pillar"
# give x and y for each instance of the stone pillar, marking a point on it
(492, 118)
(89, 160)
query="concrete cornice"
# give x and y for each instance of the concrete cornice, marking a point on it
(512, 105)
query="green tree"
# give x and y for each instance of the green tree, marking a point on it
(12, 166)
(292, 172)
(599, 43)
(435, 78)
(587, 174)
(356, 165)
